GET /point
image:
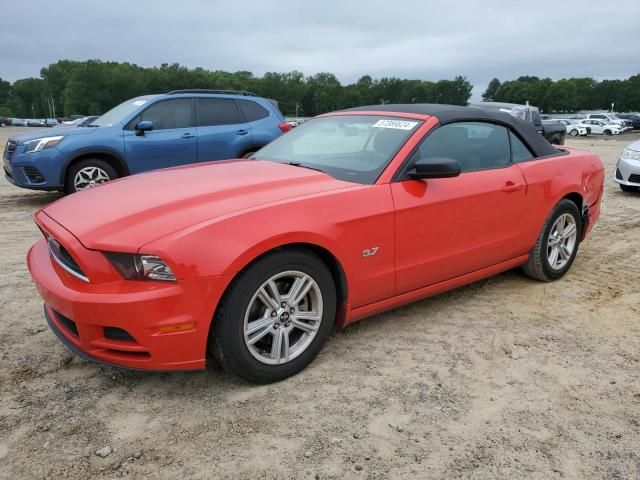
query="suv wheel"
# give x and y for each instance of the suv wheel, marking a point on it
(89, 173)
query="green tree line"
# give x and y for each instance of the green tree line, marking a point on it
(94, 86)
(568, 94)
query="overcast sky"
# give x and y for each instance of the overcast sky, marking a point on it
(420, 39)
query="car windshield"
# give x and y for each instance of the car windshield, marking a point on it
(355, 148)
(121, 112)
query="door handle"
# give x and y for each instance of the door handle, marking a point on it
(511, 187)
(242, 132)
(188, 135)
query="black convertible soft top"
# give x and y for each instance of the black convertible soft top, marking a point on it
(455, 113)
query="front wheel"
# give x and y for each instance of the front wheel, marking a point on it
(275, 316)
(557, 244)
(573, 133)
(89, 173)
(608, 133)
(629, 188)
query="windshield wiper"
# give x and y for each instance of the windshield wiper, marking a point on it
(298, 164)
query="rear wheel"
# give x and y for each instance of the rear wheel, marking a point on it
(89, 173)
(557, 244)
(275, 317)
(629, 188)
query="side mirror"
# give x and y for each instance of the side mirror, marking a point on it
(143, 126)
(438, 167)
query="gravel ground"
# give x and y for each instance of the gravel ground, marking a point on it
(506, 378)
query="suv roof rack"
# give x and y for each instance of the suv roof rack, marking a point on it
(219, 92)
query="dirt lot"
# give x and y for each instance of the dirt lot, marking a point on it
(506, 378)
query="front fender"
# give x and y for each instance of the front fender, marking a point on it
(224, 246)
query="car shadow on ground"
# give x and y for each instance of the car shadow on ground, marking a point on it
(36, 200)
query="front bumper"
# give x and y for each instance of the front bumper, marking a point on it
(627, 172)
(119, 322)
(36, 171)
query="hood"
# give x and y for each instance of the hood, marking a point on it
(51, 132)
(635, 146)
(126, 214)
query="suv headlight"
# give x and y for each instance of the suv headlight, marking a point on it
(42, 143)
(141, 267)
(630, 154)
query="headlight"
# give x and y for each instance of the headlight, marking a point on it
(630, 154)
(141, 267)
(42, 143)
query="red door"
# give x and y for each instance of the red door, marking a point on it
(452, 226)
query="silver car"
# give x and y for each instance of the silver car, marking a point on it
(628, 168)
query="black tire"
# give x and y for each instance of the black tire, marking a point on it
(537, 266)
(629, 188)
(69, 186)
(227, 343)
(574, 133)
(608, 132)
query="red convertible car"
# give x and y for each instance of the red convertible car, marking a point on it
(352, 213)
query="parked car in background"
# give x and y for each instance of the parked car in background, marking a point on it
(573, 127)
(628, 168)
(78, 122)
(5, 121)
(611, 118)
(36, 122)
(155, 271)
(554, 132)
(145, 133)
(634, 118)
(18, 122)
(601, 127)
(51, 122)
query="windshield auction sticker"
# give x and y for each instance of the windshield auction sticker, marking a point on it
(395, 124)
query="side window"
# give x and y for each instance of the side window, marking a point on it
(519, 151)
(218, 111)
(252, 111)
(167, 114)
(598, 116)
(476, 145)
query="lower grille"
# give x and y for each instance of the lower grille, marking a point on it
(634, 178)
(33, 174)
(69, 324)
(114, 333)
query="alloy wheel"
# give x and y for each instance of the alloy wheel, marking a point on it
(283, 317)
(562, 241)
(88, 177)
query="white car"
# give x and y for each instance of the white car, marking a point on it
(601, 127)
(628, 168)
(611, 118)
(573, 127)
